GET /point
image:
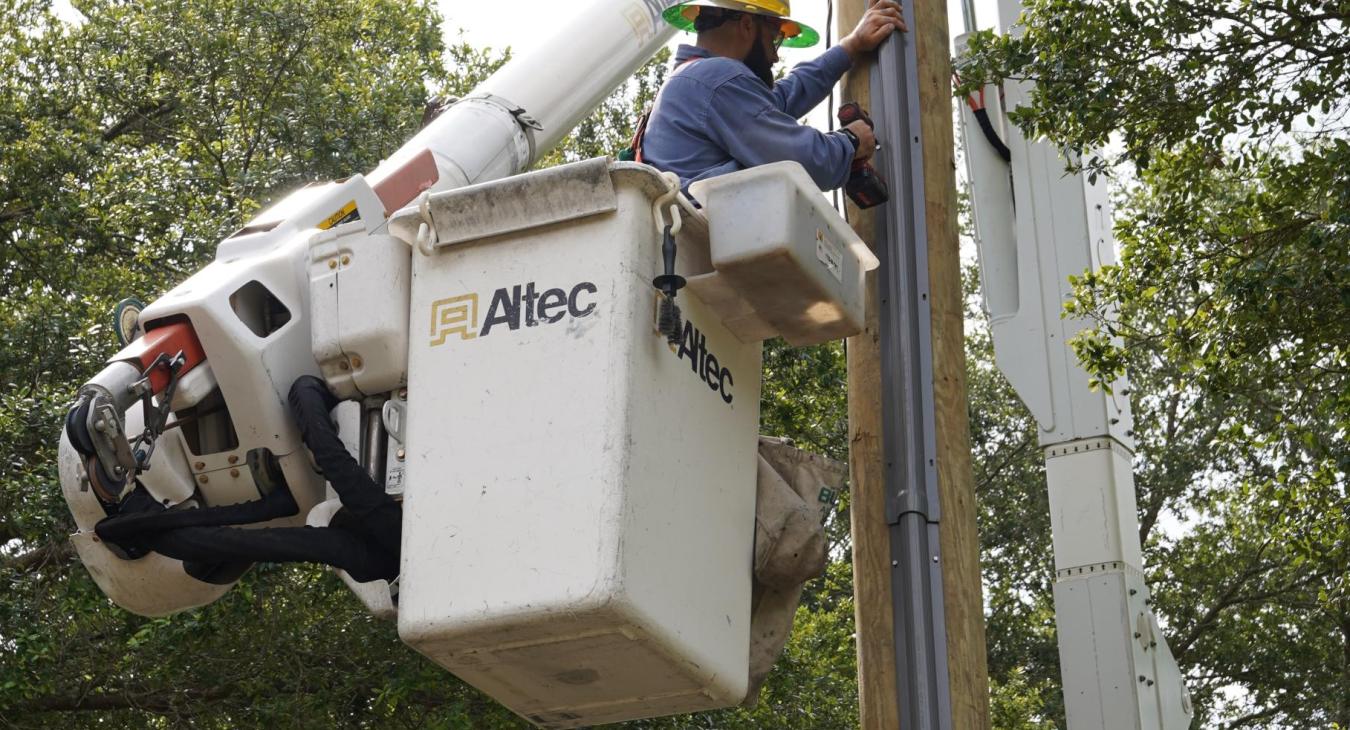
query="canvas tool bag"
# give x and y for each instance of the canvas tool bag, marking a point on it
(795, 493)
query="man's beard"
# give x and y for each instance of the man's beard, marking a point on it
(758, 61)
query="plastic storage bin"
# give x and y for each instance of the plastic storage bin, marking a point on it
(778, 247)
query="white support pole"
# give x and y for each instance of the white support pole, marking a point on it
(1036, 226)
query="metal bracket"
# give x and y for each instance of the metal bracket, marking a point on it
(110, 443)
(528, 124)
(522, 117)
(156, 416)
(394, 416)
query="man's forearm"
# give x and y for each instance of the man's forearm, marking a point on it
(809, 83)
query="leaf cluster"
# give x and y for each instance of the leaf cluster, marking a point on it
(1165, 73)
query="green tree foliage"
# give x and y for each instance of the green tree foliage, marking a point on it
(1016, 560)
(609, 127)
(1163, 74)
(133, 142)
(1240, 395)
(802, 399)
(1229, 307)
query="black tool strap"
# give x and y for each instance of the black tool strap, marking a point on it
(641, 129)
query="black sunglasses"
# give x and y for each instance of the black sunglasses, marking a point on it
(776, 26)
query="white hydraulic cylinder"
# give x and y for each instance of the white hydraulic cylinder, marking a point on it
(1035, 226)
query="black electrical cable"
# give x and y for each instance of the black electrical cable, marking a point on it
(976, 103)
(363, 538)
(987, 126)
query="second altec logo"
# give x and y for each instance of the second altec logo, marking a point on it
(510, 307)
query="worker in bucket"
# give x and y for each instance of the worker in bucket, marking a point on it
(363, 537)
(721, 111)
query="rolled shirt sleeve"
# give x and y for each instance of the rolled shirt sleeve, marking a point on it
(810, 82)
(752, 125)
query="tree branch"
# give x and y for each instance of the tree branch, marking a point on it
(144, 114)
(53, 553)
(1257, 716)
(148, 701)
(1232, 598)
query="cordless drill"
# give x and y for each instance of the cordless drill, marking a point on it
(864, 187)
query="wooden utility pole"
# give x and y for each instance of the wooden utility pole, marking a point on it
(872, 569)
(874, 622)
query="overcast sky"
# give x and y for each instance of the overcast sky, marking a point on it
(519, 23)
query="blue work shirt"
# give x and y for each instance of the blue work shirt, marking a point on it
(715, 116)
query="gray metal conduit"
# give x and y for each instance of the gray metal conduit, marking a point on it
(908, 431)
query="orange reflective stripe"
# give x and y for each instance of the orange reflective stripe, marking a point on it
(638, 135)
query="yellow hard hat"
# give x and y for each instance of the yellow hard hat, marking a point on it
(795, 34)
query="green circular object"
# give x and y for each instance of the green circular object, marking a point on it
(127, 319)
(807, 38)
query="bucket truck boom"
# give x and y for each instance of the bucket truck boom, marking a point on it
(576, 460)
(242, 327)
(1034, 227)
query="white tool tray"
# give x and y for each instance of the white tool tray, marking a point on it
(785, 262)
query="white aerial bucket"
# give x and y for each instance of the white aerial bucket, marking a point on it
(580, 498)
(579, 513)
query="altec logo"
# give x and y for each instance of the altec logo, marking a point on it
(704, 364)
(519, 304)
